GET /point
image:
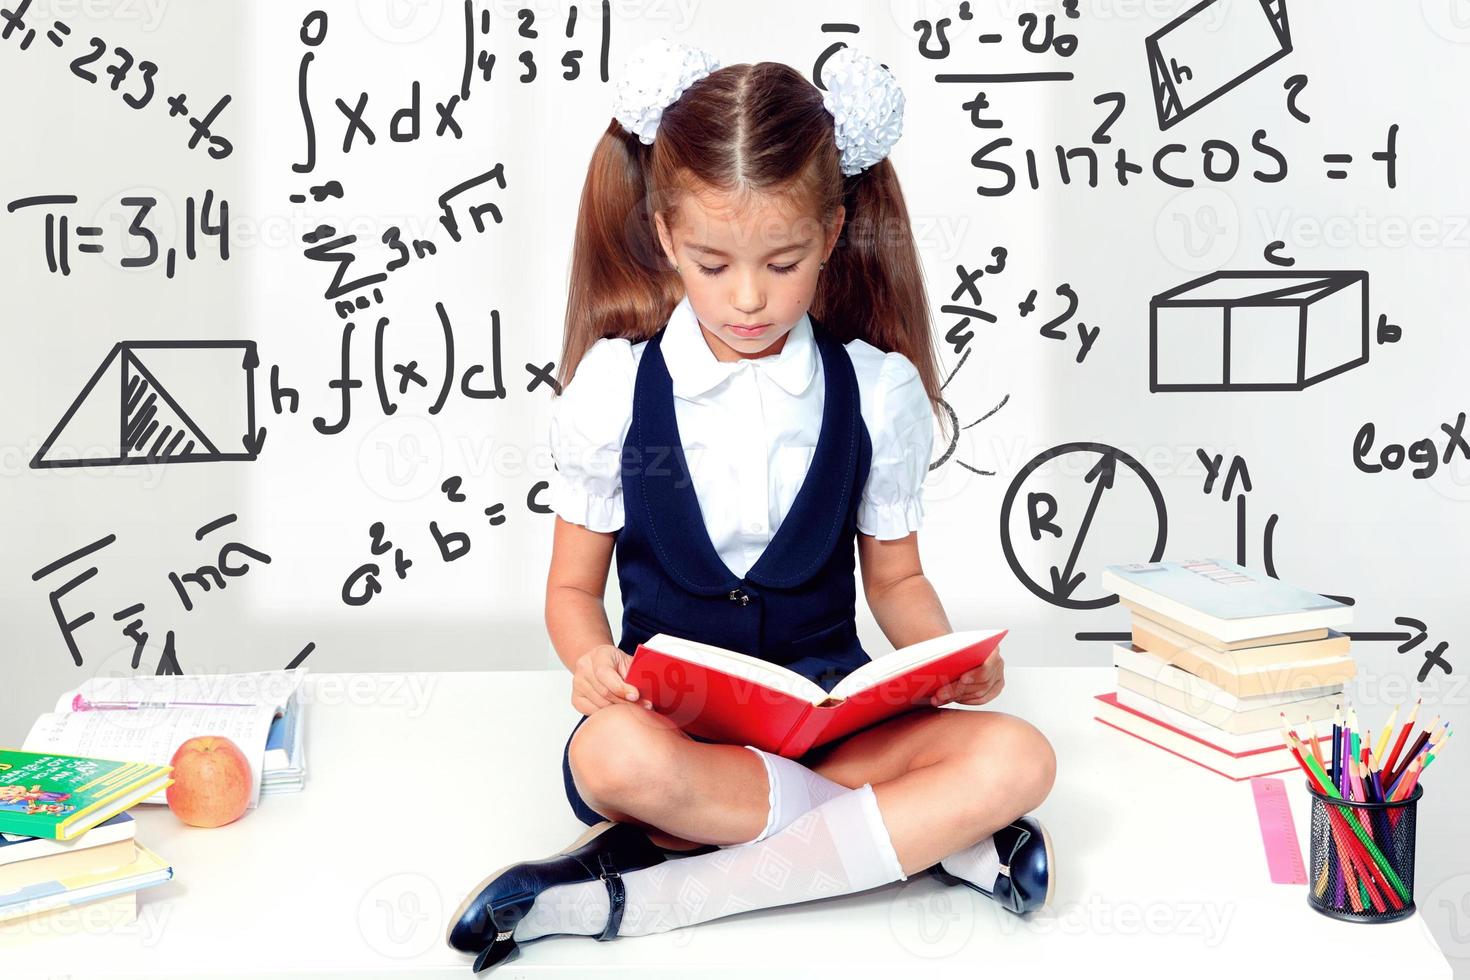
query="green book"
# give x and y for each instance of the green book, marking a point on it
(63, 796)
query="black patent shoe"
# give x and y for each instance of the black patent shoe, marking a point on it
(1026, 880)
(485, 921)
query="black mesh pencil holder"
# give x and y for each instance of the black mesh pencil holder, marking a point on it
(1362, 858)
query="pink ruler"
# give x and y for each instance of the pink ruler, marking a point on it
(1278, 832)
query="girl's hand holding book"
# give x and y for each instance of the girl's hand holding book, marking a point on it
(975, 686)
(598, 680)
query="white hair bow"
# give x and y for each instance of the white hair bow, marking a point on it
(866, 105)
(653, 78)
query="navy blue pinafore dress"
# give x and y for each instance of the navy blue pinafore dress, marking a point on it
(796, 606)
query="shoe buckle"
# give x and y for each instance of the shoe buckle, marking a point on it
(609, 869)
(1005, 869)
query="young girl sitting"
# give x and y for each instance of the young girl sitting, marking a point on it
(749, 391)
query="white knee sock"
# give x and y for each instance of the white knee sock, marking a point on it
(794, 789)
(838, 847)
(978, 863)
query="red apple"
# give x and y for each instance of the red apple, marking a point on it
(211, 782)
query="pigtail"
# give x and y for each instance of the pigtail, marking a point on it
(873, 284)
(621, 283)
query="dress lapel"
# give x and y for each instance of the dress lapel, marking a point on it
(815, 521)
(671, 507)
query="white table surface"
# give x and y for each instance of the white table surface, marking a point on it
(421, 784)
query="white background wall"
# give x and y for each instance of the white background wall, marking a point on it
(1390, 541)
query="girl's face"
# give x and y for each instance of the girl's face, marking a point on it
(757, 268)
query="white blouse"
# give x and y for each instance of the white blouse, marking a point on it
(748, 428)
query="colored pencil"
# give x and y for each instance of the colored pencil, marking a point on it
(1387, 731)
(1312, 731)
(1336, 741)
(1414, 748)
(1398, 744)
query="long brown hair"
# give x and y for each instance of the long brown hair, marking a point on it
(744, 129)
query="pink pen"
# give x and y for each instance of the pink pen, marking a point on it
(80, 703)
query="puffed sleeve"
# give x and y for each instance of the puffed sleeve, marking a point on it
(901, 429)
(589, 421)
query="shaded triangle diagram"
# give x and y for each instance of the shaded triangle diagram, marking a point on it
(154, 425)
(130, 411)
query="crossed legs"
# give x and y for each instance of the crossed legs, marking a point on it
(944, 778)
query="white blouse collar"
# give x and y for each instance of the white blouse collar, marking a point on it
(694, 368)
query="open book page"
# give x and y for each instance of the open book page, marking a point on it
(152, 735)
(263, 687)
(741, 665)
(904, 659)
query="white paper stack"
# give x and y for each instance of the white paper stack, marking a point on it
(284, 765)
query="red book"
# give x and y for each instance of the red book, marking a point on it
(1239, 766)
(738, 699)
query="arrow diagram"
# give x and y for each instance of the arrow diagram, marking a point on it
(1064, 583)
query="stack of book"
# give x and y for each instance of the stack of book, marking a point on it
(69, 857)
(1218, 655)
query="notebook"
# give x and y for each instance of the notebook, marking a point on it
(60, 796)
